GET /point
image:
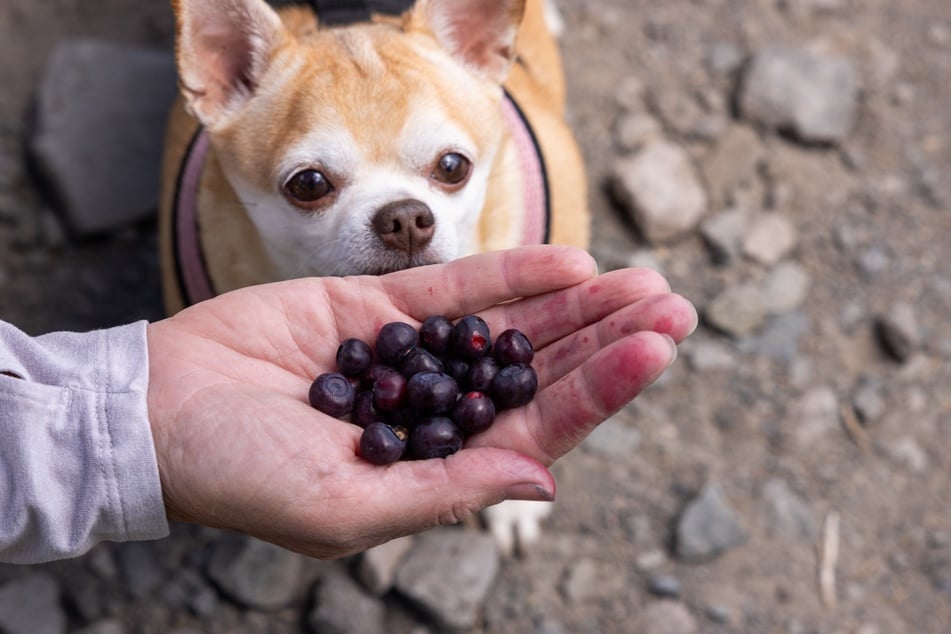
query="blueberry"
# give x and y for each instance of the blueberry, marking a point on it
(474, 412)
(394, 340)
(481, 373)
(389, 390)
(457, 369)
(515, 385)
(332, 393)
(470, 338)
(354, 357)
(419, 360)
(382, 444)
(364, 411)
(434, 437)
(512, 346)
(432, 392)
(435, 333)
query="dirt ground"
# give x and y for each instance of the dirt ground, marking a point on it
(874, 228)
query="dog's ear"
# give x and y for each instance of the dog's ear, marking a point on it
(222, 49)
(479, 33)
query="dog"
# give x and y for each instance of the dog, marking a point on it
(363, 138)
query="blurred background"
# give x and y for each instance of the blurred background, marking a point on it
(783, 162)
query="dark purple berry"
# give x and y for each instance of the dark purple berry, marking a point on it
(434, 437)
(434, 334)
(481, 373)
(457, 369)
(470, 338)
(474, 412)
(419, 360)
(364, 411)
(354, 357)
(515, 385)
(382, 444)
(432, 392)
(389, 390)
(332, 394)
(512, 346)
(394, 340)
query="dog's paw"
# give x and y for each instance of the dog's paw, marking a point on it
(516, 525)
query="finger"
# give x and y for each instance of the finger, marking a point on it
(667, 314)
(549, 317)
(474, 283)
(564, 413)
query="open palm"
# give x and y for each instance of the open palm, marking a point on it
(240, 448)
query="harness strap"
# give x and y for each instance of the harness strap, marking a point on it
(342, 12)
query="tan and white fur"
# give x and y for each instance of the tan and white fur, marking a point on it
(338, 151)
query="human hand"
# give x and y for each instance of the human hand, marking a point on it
(240, 448)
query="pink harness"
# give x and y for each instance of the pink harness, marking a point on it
(192, 272)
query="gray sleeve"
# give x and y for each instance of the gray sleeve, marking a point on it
(77, 462)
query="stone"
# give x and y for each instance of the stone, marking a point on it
(188, 590)
(254, 573)
(907, 452)
(658, 186)
(733, 162)
(106, 626)
(635, 129)
(30, 604)
(342, 607)
(664, 586)
(738, 311)
(779, 338)
(899, 332)
(723, 233)
(448, 575)
(613, 438)
(139, 568)
(810, 94)
(101, 116)
(770, 238)
(378, 565)
(724, 58)
(785, 288)
(708, 527)
(789, 515)
(872, 262)
(815, 414)
(707, 356)
(665, 617)
(869, 401)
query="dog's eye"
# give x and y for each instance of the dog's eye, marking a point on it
(307, 186)
(452, 169)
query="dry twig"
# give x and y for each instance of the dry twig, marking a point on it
(829, 559)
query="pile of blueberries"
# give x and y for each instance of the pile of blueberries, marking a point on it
(424, 392)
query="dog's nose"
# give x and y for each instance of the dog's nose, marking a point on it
(407, 225)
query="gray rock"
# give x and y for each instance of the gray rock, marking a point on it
(779, 338)
(810, 94)
(815, 414)
(706, 356)
(737, 311)
(659, 188)
(139, 568)
(613, 438)
(255, 573)
(30, 604)
(770, 238)
(341, 607)
(723, 233)
(188, 590)
(636, 129)
(448, 574)
(785, 288)
(724, 58)
(378, 565)
(872, 262)
(907, 452)
(869, 401)
(789, 515)
(707, 527)
(664, 586)
(899, 331)
(665, 617)
(101, 114)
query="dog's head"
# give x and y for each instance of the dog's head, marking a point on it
(361, 149)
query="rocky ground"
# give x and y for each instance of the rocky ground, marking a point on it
(783, 163)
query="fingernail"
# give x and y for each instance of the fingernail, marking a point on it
(673, 349)
(529, 492)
